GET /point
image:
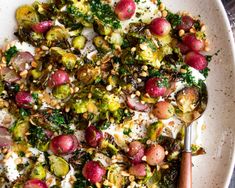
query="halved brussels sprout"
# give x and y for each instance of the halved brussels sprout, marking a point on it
(155, 130)
(114, 176)
(26, 16)
(187, 99)
(38, 172)
(69, 60)
(102, 29)
(116, 39)
(112, 101)
(62, 91)
(79, 42)
(58, 166)
(20, 129)
(87, 74)
(80, 106)
(101, 44)
(36, 74)
(56, 33)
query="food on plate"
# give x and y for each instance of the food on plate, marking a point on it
(92, 91)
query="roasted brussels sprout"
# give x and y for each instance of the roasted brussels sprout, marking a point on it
(80, 106)
(187, 99)
(112, 101)
(36, 74)
(69, 60)
(79, 42)
(20, 129)
(62, 91)
(101, 28)
(155, 130)
(38, 172)
(115, 177)
(101, 44)
(58, 166)
(87, 74)
(56, 34)
(26, 16)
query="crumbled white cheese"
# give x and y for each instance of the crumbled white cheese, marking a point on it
(11, 167)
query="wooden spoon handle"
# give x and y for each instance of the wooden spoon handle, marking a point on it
(185, 180)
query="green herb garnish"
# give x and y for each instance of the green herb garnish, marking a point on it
(104, 13)
(205, 72)
(174, 19)
(10, 53)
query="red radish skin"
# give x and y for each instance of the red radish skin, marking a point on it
(93, 136)
(24, 99)
(58, 78)
(35, 183)
(136, 151)
(5, 137)
(135, 104)
(9, 75)
(186, 23)
(125, 9)
(138, 157)
(193, 43)
(22, 61)
(160, 27)
(196, 60)
(163, 110)
(153, 89)
(155, 154)
(138, 170)
(64, 144)
(184, 49)
(93, 171)
(42, 27)
(134, 147)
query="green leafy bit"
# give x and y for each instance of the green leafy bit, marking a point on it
(197, 25)
(35, 96)
(127, 131)
(10, 53)
(163, 82)
(187, 76)
(205, 72)
(104, 13)
(57, 118)
(174, 19)
(75, 12)
(37, 136)
(24, 112)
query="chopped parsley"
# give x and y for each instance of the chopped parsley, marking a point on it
(74, 11)
(57, 118)
(35, 96)
(205, 72)
(197, 25)
(163, 82)
(159, 2)
(24, 112)
(10, 53)
(127, 131)
(137, 1)
(174, 19)
(187, 76)
(37, 136)
(105, 14)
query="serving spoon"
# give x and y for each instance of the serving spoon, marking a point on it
(185, 179)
